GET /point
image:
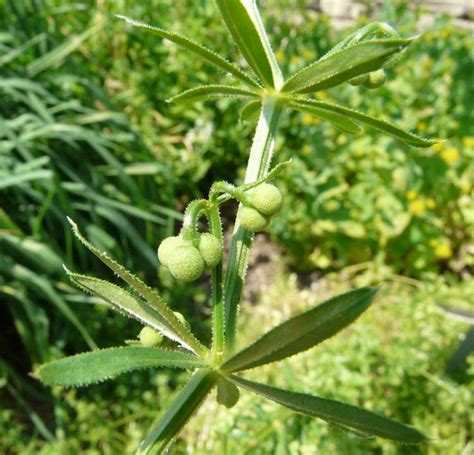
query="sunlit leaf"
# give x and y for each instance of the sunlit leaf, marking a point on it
(245, 25)
(104, 364)
(146, 292)
(336, 412)
(250, 111)
(303, 331)
(382, 125)
(340, 121)
(178, 414)
(211, 91)
(343, 65)
(192, 46)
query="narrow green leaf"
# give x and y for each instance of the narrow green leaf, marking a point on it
(104, 364)
(146, 292)
(382, 125)
(178, 414)
(245, 25)
(303, 331)
(336, 412)
(204, 53)
(250, 111)
(206, 92)
(123, 302)
(338, 67)
(340, 121)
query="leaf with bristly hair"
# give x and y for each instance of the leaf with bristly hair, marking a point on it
(250, 111)
(343, 65)
(206, 92)
(381, 125)
(339, 121)
(196, 48)
(245, 25)
(178, 414)
(303, 331)
(336, 412)
(146, 292)
(104, 364)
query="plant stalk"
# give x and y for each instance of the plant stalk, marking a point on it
(257, 167)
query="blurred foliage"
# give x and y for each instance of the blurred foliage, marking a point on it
(85, 132)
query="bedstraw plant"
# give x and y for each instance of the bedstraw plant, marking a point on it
(359, 59)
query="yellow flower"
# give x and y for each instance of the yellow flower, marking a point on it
(280, 55)
(308, 54)
(417, 207)
(422, 126)
(430, 203)
(412, 195)
(307, 149)
(450, 155)
(468, 142)
(332, 205)
(443, 250)
(438, 146)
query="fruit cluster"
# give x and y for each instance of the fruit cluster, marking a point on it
(374, 79)
(187, 261)
(261, 204)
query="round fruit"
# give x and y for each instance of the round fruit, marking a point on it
(358, 80)
(210, 249)
(186, 263)
(149, 337)
(252, 219)
(266, 199)
(168, 247)
(376, 79)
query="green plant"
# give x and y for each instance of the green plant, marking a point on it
(365, 52)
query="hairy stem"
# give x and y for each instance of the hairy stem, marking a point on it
(257, 167)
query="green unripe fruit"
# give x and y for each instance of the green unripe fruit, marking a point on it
(252, 219)
(211, 249)
(149, 337)
(168, 247)
(376, 79)
(186, 263)
(266, 199)
(358, 80)
(182, 319)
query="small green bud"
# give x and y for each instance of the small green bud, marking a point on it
(252, 219)
(149, 337)
(266, 198)
(182, 319)
(168, 247)
(211, 249)
(376, 79)
(186, 263)
(358, 80)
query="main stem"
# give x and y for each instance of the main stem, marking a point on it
(257, 167)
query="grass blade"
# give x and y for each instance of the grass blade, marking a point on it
(303, 331)
(336, 412)
(103, 364)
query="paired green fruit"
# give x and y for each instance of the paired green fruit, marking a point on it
(211, 250)
(187, 263)
(358, 80)
(266, 198)
(149, 337)
(376, 79)
(266, 201)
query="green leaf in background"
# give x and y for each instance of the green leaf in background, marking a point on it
(180, 411)
(336, 412)
(103, 364)
(146, 292)
(382, 125)
(245, 25)
(303, 331)
(192, 46)
(340, 121)
(343, 65)
(250, 111)
(122, 301)
(206, 92)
